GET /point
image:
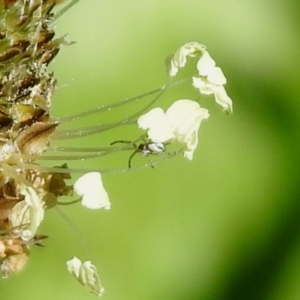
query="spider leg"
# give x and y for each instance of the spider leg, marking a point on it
(131, 157)
(120, 142)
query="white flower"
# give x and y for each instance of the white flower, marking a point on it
(185, 117)
(210, 78)
(179, 59)
(90, 187)
(28, 214)
(182, 121)
(86, 273)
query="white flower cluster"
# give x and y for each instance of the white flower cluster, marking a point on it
(182, 120)
(86, 273)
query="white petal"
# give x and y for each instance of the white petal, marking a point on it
(73, 266)
(185, 112)
(223, 99)
(96, 199)
(180, 57)
(151, 118)
(90, 187)
(185, 51)
(86, 273)
(155, 121)
(188, 154)
(205, 64)
(216, 76)
(204, 86)
(185, 117)
(161, 134)
(191, 144)
(172, 68)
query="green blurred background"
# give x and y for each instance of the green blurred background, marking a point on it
(225, 226)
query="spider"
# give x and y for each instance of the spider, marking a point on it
(145, 148)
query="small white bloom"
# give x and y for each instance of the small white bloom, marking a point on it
(86, 273)
(185, 117)
(181, 122)
(90, 187)
(28, 214)
(156, 123)
(210, 78)
(179, 59)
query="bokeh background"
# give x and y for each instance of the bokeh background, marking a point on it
(225, 226)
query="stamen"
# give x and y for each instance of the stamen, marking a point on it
(80, 149)
(81, 132)
(109, 106)
(164, 156)
(76, 230)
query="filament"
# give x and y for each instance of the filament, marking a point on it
(76, 133)
(164, 156)
(122, 102)
(65, 9)
(108, 106)
(128, 120)
(75, 229)
(72, 157)
(79, 149)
